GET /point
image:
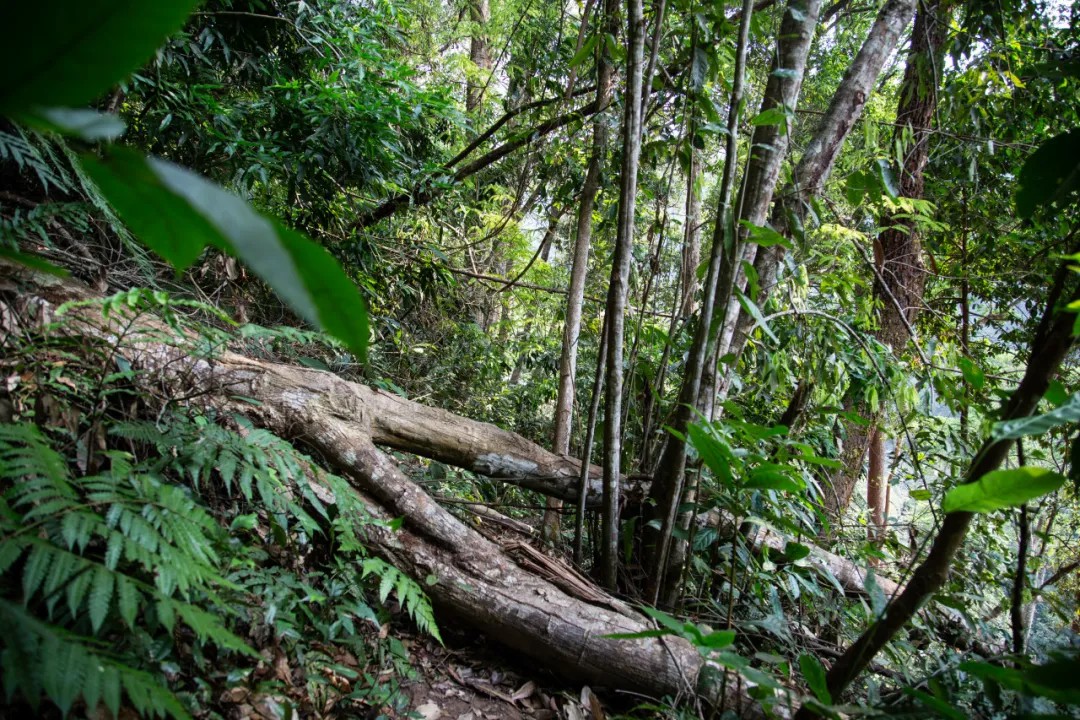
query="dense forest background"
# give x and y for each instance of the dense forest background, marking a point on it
(716, 357)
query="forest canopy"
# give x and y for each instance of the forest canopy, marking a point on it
(666, 359)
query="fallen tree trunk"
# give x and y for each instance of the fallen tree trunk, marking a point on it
(401, 424)
(473, 577)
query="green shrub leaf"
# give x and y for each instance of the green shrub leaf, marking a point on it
(814, 674)
(1002, 489)
(1051, 174)
(178, 213)
(1038, 424)
(69, 52)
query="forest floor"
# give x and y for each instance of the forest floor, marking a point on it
(468, 680)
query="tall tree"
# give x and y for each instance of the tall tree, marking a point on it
(618, 288)
(782, 91)
(845, 108)
(575, 298)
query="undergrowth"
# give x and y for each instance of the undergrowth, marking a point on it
(171, 560)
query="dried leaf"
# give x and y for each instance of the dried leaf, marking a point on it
(524, 691)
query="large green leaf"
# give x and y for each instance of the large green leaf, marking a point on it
(1002, 489)
(765, 236)
(164, 221)
(1056, 680)
(755, 312)
(1051, 173)
(69, 52)
(178, 213)
(814, 674)
(714, 452)
(887, 178)
(770, 478)
(1039, 424)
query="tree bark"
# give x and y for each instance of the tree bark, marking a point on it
(479, 13)
(875, 488)
(575, 298)
(618, 287)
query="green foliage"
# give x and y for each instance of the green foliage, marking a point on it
(88, 47)
(178, 214)
(814, 675)
(1067, 412)
(1051, 175)
(174, 211)
(408, 593)
(1001, 489)
(315, 112)
(123, 564)
(1054, 680)
(123, 535)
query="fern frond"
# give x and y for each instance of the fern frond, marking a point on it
(39, 658)
(410, 595)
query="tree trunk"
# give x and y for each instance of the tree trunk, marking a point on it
(875, 487)
(793, 44)
(301, 403)
(564, 403)
(618, 288)
(479, 13)
(899, 281)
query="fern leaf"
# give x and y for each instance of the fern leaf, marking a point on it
(149, 698)
(113, 549)
(386, 583)
(101, 592)
(10, 551)
(63, 674)
(127, 600)
(110, 688)
(165, 613)
(64, 567)
(77, 588)
(37, 564)
(209, 627)
(92, 683)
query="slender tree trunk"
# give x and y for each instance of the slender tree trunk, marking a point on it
(875, 487)
(793, 43)
(650, 270)
(1019, 636)
(587, 449)
(619, 286)
(564, 403)
(480, 14)
(555, 214)
(691, 251)
(687, 282)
